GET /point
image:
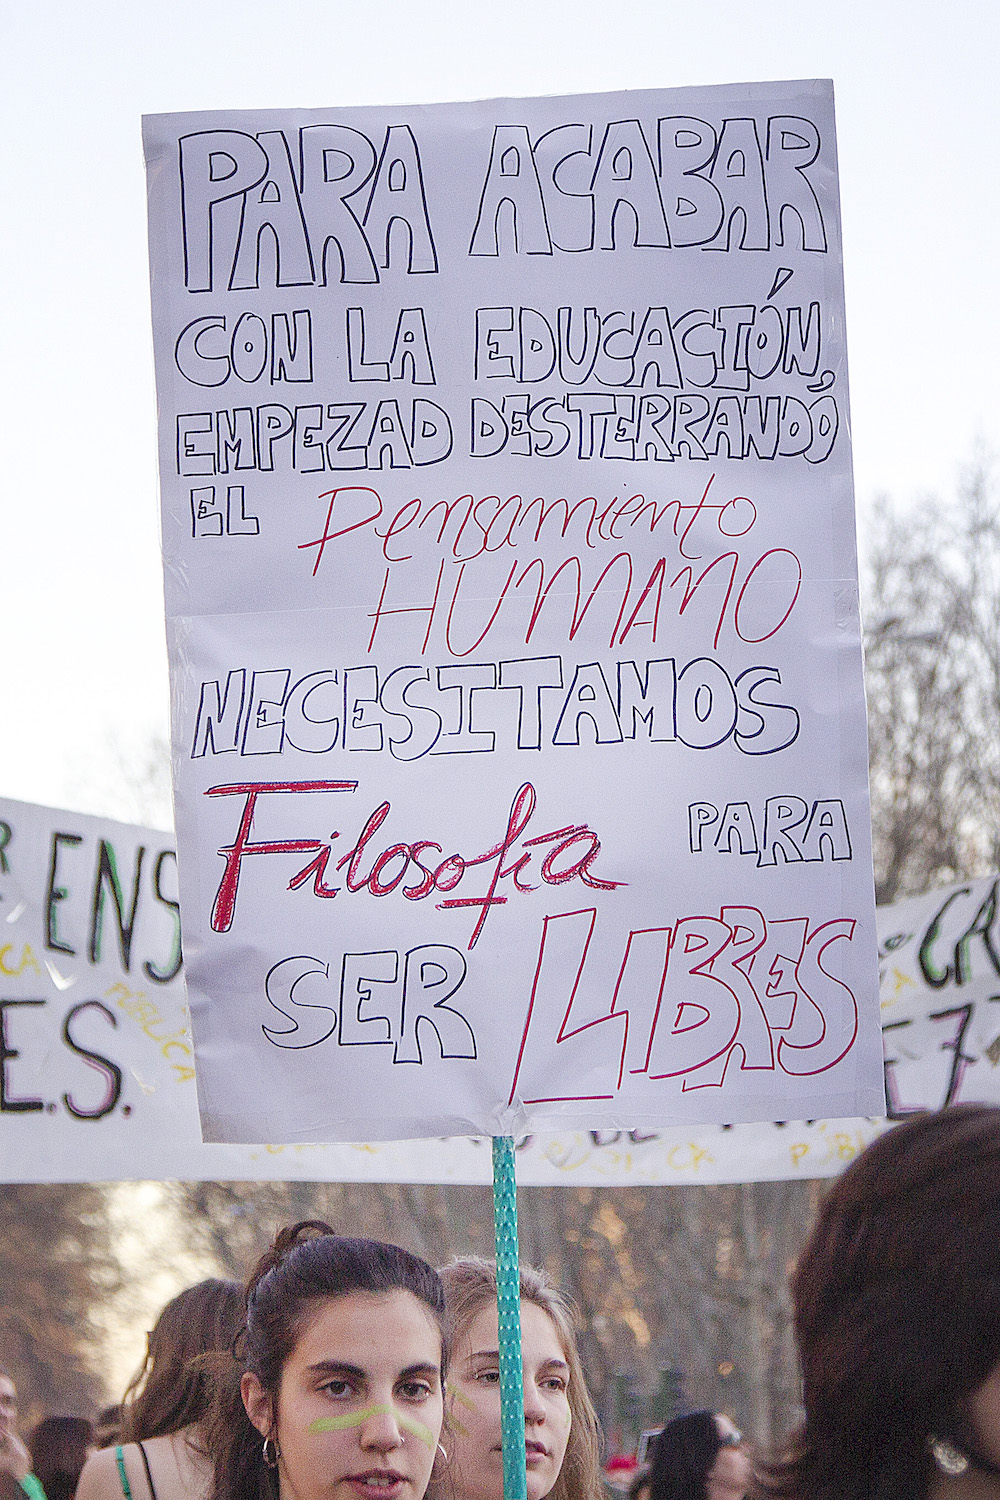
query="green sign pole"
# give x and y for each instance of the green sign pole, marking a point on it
(515, 1478)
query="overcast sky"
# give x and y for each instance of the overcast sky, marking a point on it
(83, 683)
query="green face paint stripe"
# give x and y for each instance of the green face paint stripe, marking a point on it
(355, 1418)
(418, 1429)
(349, 1419)
(459, 1396)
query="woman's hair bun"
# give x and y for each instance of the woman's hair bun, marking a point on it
(285, 1241)
(293, 1234)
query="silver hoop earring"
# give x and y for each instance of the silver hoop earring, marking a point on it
(441, 1450)
(270, 1462)
(949, 1459)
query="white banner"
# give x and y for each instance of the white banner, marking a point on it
(96, 1067)
(511, 585)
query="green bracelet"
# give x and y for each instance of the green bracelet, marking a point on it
(32, 1487)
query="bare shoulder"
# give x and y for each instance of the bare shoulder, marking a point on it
(178, 1469)
(181, 1471)
(100, 1479)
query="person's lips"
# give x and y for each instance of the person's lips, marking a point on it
(377, 1484)
(534, 1451)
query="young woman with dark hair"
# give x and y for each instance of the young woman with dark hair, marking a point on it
(897, 1316)
(561, 1431)
(161, 1454)
(698, 1457)
(336, 1391)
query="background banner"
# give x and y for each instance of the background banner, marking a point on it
(96, 1069)
(511, 585)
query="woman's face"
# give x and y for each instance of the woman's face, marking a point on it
(729, 1476)
(475, 1457)
(359, 1404)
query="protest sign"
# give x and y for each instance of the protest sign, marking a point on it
(96, 1061)
(96, 1065)
(511, 591)
(940, 956)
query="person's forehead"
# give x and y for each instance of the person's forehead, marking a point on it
(540, 1337)
(539, 1334)
(369, 1330)
(480, 1331)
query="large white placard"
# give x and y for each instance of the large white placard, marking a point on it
(511, 585)
(96, 1062)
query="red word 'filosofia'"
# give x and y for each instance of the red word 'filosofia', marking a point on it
(572, 852)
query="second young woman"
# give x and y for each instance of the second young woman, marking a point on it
(560, 1425)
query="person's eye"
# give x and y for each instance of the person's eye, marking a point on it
(554, 1383)
(488, 1377)
(415, 1390)
(338, 1388)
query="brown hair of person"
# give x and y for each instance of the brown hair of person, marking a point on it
(897, 1310)
(307, 1264)
(170, 1389)
(470, 1284)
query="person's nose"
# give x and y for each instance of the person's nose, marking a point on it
(534, 1406)
(380, 1431)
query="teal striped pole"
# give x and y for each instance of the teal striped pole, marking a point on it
(515, 1477)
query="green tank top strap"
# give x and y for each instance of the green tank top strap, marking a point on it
(32, 1487)
(120, 1461)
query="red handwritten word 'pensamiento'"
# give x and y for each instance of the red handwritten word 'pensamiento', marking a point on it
(570, 854)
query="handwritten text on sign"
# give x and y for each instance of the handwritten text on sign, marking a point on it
(512, 596)
(96, 1064)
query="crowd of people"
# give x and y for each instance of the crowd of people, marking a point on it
(349, 1369)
